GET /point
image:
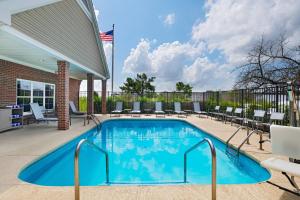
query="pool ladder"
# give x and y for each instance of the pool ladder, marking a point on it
(76, 165)
(96, 121)
(228, 145)
(214, 165)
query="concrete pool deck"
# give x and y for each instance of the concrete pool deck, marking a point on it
(21, 146)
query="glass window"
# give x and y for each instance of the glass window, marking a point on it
(38, 89)
(23, 88)
(35, 92)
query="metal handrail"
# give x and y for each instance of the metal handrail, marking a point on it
(76, 165)
(96, 121)
(227, 142)
(214, 165)
(244, 141)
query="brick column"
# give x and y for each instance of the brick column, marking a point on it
(62, 95)
(90, 94)
(103, 97)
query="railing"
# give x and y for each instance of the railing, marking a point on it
(76, 165)
(269, 98)
(214, 165)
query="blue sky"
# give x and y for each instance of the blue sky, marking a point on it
(198, 42)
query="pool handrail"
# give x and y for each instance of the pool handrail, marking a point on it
(76, 165)
(214, 165)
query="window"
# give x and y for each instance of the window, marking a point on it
(35, 92)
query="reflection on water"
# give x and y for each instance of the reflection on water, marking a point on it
(143, 152)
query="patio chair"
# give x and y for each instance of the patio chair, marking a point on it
(257, 120)
(136, 108)
(237, 116)
(275, 116)
(227, 114)
(119, 109)
(158, 109)
(197, 109)
(38, 115)
(74, 110)
(216, 112)
(74, 113)
(177, 109)
(285, 142)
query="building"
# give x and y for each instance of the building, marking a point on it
(47, 47)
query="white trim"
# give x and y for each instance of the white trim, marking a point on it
(25, 63)
(85, 9)
(31, 91)
(53, 52)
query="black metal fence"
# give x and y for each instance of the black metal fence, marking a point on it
(272, 98)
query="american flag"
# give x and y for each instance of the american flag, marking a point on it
(107, 36)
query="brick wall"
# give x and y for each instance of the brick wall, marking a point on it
(9, 72)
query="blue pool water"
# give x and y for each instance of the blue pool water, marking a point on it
(143, 152)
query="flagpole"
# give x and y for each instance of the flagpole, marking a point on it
(112, 60)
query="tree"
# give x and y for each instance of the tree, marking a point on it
(140, 85)
(185, 88)
(270, 62)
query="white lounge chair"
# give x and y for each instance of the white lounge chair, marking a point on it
(119, 108)
(285, 142)
(237, 116)
(136, 108)
(227, 114)
(177, 109)
(197, 109)
(158, 109)
(216, 112)
(38, 115)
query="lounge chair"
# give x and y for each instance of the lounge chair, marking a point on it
(285, 142)
(74, 113)
(257, 120)
(177, 109)
(119, 109)
(158, 109)
(237, 116)
(136, 108)
(216, 112)
(39, 116)
(74, 110)
(227, 114)
(197, 109)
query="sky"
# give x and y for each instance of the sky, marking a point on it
(199, 42)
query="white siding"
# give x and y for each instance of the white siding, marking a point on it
(64, 27)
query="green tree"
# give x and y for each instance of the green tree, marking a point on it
(140, 85)
(185, 88)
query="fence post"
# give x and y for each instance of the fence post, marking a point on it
(277, 98)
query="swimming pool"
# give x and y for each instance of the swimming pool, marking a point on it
(143, 151)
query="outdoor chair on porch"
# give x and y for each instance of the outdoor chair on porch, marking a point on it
(237, 116)
(158, 109)
(136, 110)
(285, 142)
(197, 109)
(74, 113)
(39, 116)
(177, 109)
(118, 110)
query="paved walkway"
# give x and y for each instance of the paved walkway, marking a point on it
(19, 147)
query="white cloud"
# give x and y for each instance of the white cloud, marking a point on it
(230, 27)
(172, 62)
(169, 19)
